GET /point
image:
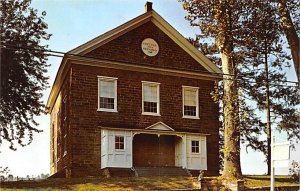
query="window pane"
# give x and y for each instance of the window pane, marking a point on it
(121, 146)
(119, 142)
(150, 107)
(195, 147)
(107, 89)
(190, 96)
(190, 110)
(150, 93)
(107, 103)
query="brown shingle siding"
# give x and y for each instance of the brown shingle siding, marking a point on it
(81, 88)
(127, 48)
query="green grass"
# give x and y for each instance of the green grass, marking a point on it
(262, 181)
(133, 183)
(110, 184)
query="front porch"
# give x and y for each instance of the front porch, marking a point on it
(150, 150)
(156, 146)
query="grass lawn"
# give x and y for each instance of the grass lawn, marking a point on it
(133, 183)
(110, 184)
(261, 181)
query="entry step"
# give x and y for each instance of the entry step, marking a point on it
(161, 171)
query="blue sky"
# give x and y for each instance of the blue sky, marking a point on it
(74, 22)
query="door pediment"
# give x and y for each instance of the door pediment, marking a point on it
(160, 126)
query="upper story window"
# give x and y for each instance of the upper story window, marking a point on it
(107, 94)
(119, 142)
(150, 96)
(190, 102)
(195, 147)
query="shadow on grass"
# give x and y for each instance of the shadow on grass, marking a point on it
(267, 178)
(110, 184)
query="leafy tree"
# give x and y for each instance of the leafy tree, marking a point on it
(288, 11)
(23, 65)
(294, 170)
(249, 33)
(10, 177)
(221, 22)
(263, 66)
(4, 170)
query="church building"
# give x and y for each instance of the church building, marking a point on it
(137, 97)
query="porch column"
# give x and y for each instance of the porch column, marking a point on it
(184, 150)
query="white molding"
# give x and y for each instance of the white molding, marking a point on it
(148, 82)
(158, 98)
(183, 43)
(190, 117)
(107, 110)
(149, 113)
(152, 127)
(197, 102)
(106, 78)
(190, 87)
(149, 131)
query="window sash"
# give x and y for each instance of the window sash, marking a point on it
(190, 97)
(150, 96)
(107, 89)
(150, 93)
(150, 107)
(119, 143)
(107, 103)
(107, 93)
(190, 105)
(195, 145)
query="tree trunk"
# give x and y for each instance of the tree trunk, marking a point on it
(291, 34)
(232, 168)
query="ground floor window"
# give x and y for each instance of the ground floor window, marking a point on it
(195, 146)
(119, 142)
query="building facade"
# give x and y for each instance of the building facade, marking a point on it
(138, 95)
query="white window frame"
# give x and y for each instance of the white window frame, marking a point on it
(123, 150)
(197, 102)
(105, 78)
(199, 151)
(158, 98)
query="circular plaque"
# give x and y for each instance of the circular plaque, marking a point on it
(150, 47)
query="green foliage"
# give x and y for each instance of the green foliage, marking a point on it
(262, 71)
(22, 70)
(4, 171)
(258, 58)
(294, 170)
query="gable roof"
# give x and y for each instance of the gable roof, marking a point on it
(163, 25)
(159, 126)
(213, 71)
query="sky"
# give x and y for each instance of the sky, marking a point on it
(74, 22)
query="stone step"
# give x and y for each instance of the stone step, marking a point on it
(160, 171)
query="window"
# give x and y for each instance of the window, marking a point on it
(107, 94)
(190, 102)
(195, 147)
(119, 142)
(150, 96)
